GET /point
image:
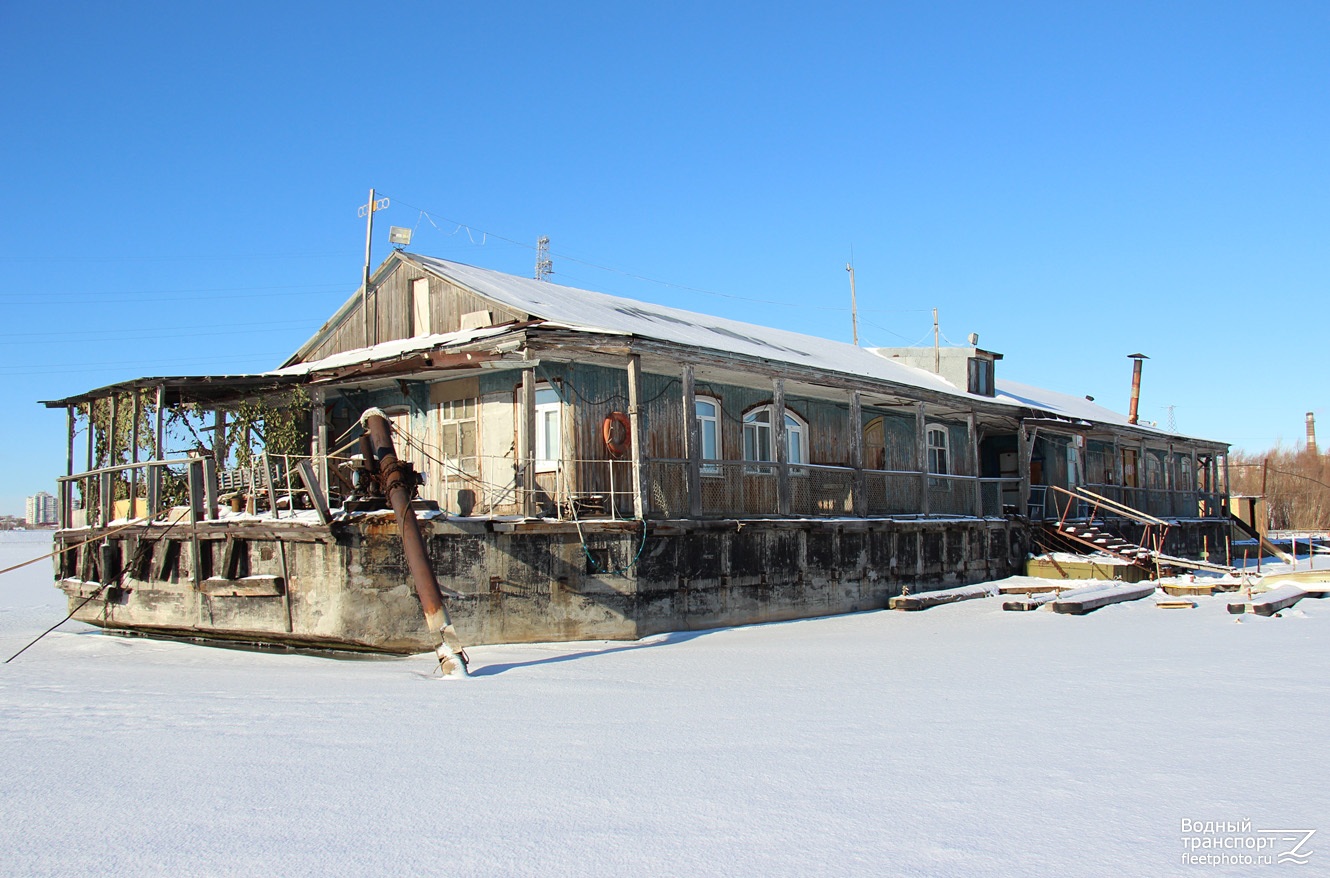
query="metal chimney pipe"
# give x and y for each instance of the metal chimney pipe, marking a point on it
(1311, 432)
(1135, 387)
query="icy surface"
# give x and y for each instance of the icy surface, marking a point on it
(958, 741)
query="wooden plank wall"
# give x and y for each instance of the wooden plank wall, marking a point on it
(391, 306)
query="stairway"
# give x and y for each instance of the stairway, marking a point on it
(1097, 539)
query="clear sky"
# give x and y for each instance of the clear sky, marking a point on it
(1073, 181)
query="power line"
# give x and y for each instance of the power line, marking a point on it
(634, 276)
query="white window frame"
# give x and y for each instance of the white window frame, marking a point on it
(939, 456)
(547, 445)
(712, 454)
(796, 437)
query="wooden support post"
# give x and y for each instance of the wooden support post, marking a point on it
(1118, 472)
(1143, 480)
(317, 495)
(210, 486)
(108, 481)
(196, 480)
(159, 453)
(286, 585)
(67, 488)
(1201, 510)
(134, 441)
(780, 438)
(692, 434)
(87, 482)
(973, 425)
(267, 481)
(526, 442)
(1024, 453)
(638, 438)
(858, 492)
(107, 497)
(319, 447)
(921, 454)
(1223, 489)
(1170, 483)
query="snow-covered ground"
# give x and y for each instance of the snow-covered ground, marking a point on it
(958, 741)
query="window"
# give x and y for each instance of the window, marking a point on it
(457, 434)
(708, 429)
(1154, 472)
(758, 437)
(1184, 474)
(939, 455)
(981, 376)
(549, 429)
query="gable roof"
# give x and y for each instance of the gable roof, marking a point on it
(561, 306)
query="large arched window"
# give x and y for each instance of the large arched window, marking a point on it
(759, 437)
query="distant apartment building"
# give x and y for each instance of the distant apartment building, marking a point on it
(40, 509)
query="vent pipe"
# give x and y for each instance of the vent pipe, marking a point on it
(1135, 387)
(1311, 432)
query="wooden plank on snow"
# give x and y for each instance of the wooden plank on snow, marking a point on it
(926, 599)
(1113, 595)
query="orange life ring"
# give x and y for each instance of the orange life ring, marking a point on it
(616, 430)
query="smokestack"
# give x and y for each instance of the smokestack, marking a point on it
(1311, 432)
(1135, 386)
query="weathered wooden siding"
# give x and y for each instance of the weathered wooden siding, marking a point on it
(392, 314)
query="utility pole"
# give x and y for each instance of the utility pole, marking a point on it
(854, 307)
(544, 267)
(367, 211)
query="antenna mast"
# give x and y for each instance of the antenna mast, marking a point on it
(367, 211)
(854, 307)
(544, 267)
(937, 346)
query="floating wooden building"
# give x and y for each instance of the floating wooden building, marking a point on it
(594, 467)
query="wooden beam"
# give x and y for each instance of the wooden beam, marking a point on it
(159, 452)
(1023, 455)
(780, 438)
(67, 488)
(692, 442)
(317, 495)
(1079, 606)
(637, 438)
(319, 446)
(134, 442)
(921, 454)
(972, 425)
(925, 599)
(526, 442)
(858, 490)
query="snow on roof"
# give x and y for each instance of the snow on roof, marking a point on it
(390, 350)
(599, 312)
(587, 310)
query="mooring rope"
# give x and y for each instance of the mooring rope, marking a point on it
(101, 588)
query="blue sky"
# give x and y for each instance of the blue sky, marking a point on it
(1074, 182)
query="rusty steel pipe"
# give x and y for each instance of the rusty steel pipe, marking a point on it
(397, 479)
(398, 493)
(1135, 386)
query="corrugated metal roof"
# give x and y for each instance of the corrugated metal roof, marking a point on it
(600, 312)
